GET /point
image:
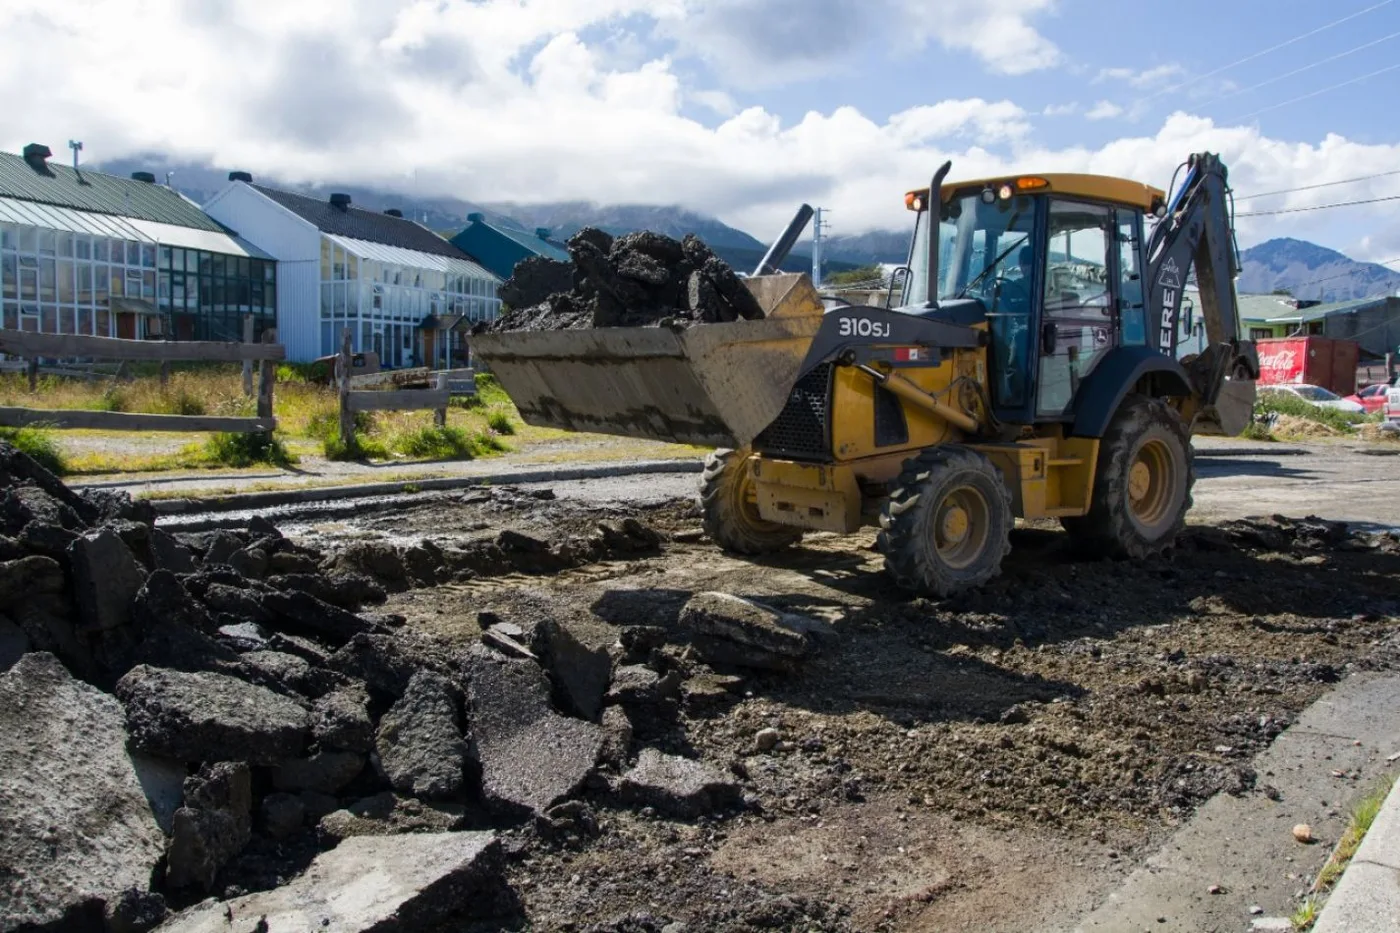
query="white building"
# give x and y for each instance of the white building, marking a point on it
(406, 293)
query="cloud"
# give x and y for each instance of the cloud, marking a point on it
(1103, 110)
(509, 100)
(1146, 78)
(1060, 110)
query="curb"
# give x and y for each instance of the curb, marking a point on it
(1251, 452)
(281, 497)
(1367, 899)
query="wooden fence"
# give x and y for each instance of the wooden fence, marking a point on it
(356, 394)
(31, 346)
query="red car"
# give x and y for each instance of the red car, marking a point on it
(1372, 398)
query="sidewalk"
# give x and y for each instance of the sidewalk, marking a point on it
(1367, 899)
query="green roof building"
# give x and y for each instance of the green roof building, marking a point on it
(499, 245)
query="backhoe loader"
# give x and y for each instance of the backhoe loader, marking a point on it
(1026, 366)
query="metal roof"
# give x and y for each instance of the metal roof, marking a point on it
(360, 224)
(189, 238)
(452, 265)
(59, 185)
(532, 242)
(124, 228)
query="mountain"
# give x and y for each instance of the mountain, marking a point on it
(878, 246)
(1311, 271)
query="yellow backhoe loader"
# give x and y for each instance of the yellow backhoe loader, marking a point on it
(1026, 365)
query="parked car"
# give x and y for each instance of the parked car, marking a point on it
(1371, 398)
(1392, 403)
(1317, 395)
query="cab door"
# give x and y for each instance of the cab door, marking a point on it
(1079, 319)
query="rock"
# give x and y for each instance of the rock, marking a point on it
(27, 577)
(765, 740)
(250, 561)
(341, 720)
(304, 614)
(276, 669)
(389, 815)
(304, 648)
(75, 829)
(636, 685)
(377, 559)
(135, 910)
(290, 563)
(518, 542)
(617, 733)
(728, 630)
(282, 815)
(639, 641)
(534, 279)
(388, 662)
(372, 884)
(222, 546)
(47, 621)
(496, 638)
(113, 505)
(420, 744)
(324, 772)
(243, 636)
(169, 554)
(317, 804)
(345, 590)
(679, 787)
(531, 757)
(170, 645)
(571, 819)
(163, 783)
(14, 643)
(106, 578)
(213, 826)
(210, 717)
(23, 470)
(236, 602)
(579, 674)
(1303, 833)
(48, 540)
(22, 506)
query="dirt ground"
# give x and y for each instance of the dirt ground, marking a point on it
(993, 762)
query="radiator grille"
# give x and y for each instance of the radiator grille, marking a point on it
(802, 429)
(890, 427)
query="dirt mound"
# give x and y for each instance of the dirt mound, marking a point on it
(634, 280)
(1379, 432)
(1292, 426)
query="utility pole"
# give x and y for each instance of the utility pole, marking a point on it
(819, 226)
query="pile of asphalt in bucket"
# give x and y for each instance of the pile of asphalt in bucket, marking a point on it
(635, 280)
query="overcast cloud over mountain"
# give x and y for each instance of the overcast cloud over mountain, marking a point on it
(740, 109)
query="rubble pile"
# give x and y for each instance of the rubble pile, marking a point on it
(170, 703)
(635, 280)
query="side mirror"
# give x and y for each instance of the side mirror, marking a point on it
(1048, 335)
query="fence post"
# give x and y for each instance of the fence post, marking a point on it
(34, 374)
(440, 414)
(267, 378)
(342, 371)
(247, 364)
(165, 372)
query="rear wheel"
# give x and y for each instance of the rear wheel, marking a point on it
(946, 526)
(1142, 484)
(731, 516)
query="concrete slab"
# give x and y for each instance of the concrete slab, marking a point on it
(1244, 845)
(1367, 899)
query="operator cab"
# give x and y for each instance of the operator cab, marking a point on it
(1051, 265)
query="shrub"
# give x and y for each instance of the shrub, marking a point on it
(500, 422)
(38, 444)
(241, 450)
(1278, 403)
(436, 443)
(363, 448)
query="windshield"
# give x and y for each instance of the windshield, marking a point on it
(978, 244)
(1315, 394)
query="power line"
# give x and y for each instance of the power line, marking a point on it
(1275, 48)
(1379, 71)
(1318, 207)
(1298, 71)
(1324, 184)
(1339, 275)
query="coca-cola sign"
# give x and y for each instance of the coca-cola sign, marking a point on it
(1280, 364)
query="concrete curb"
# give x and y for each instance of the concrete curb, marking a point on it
(281, 497)
(1367, 899)
(1251, 451)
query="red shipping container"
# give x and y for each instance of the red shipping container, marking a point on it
(1319, 361)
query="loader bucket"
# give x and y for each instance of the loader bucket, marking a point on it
(1232, 411)
(712, 385)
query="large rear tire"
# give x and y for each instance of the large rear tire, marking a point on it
(731, 519)
(947, 525)
(1142, 484)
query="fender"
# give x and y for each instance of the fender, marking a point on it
(1121, 368)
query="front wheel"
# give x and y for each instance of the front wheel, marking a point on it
(947, 525)
(731, 516)
(1142, 484)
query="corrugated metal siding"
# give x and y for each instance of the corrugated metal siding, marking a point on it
(296, 245)
(299, 309)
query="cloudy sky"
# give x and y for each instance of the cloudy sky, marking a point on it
(737, 108)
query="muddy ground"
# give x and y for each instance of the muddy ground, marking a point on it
(993, 762)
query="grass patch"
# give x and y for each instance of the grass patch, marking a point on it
(38, 444)
(445, 443)
(1362, 816)
(1257, 431)
(1343, 422)
(500, 422)
(243, 450)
